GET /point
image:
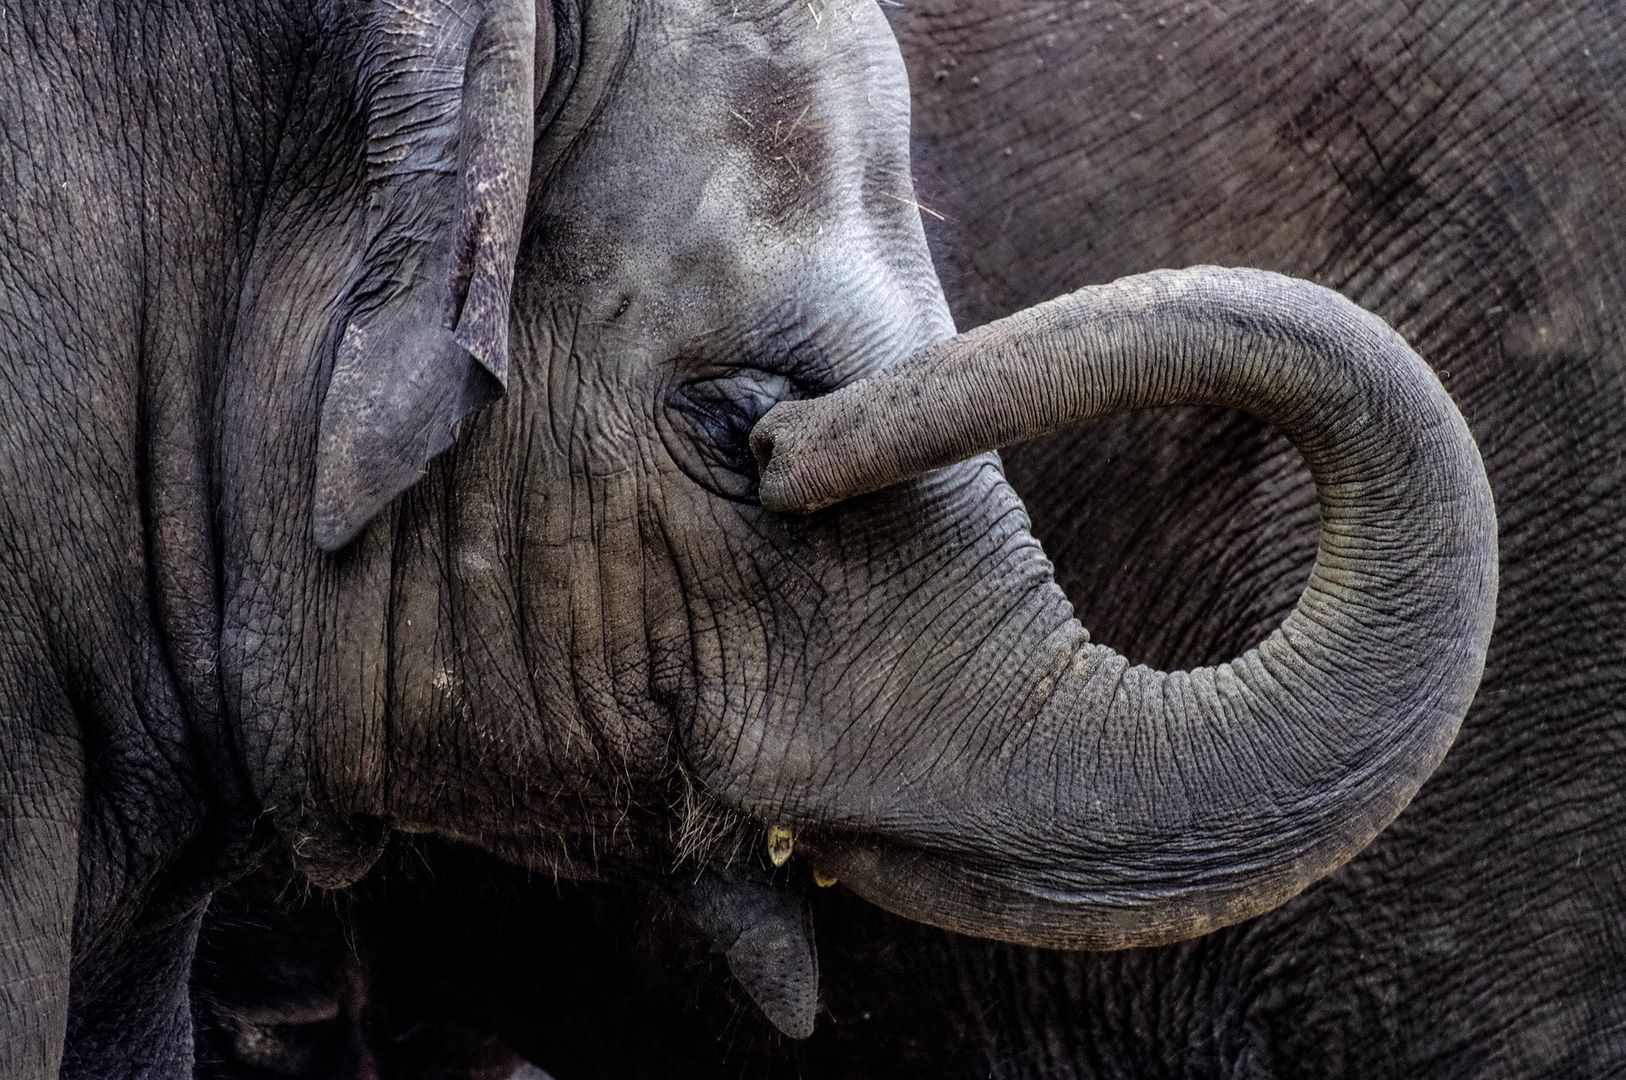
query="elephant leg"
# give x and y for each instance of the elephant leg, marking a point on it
(136, 1021)
(73, 879)
(41, 784)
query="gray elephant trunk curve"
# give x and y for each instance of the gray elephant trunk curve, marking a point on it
(1173, 803)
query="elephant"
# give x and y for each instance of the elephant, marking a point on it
(1455, 168)
(409, 432)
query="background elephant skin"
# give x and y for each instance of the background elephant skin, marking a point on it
(1461, 169)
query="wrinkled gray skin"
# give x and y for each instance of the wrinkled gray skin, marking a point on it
(1459, 168)
(259, 268)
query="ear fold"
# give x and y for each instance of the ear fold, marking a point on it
(448, 90)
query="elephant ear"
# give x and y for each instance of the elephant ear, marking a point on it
(447, 90)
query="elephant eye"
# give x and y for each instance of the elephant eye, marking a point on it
(709, 428)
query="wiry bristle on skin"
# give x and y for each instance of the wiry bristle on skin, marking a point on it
(707, 831)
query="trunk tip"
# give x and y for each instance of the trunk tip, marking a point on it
(782, 480)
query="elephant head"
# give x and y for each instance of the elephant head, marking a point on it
(713, 543)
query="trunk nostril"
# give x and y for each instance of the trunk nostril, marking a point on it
(762, 443)
(795, 469)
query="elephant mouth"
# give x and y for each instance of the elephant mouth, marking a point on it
(1130, 806)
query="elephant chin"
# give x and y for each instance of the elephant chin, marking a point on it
(1148, 806)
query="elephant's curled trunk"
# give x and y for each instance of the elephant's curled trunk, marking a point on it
(1152, 806)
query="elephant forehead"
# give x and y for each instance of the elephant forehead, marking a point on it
(736, 142)
(784, 103)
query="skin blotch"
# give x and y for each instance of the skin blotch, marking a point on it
(775, 119)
